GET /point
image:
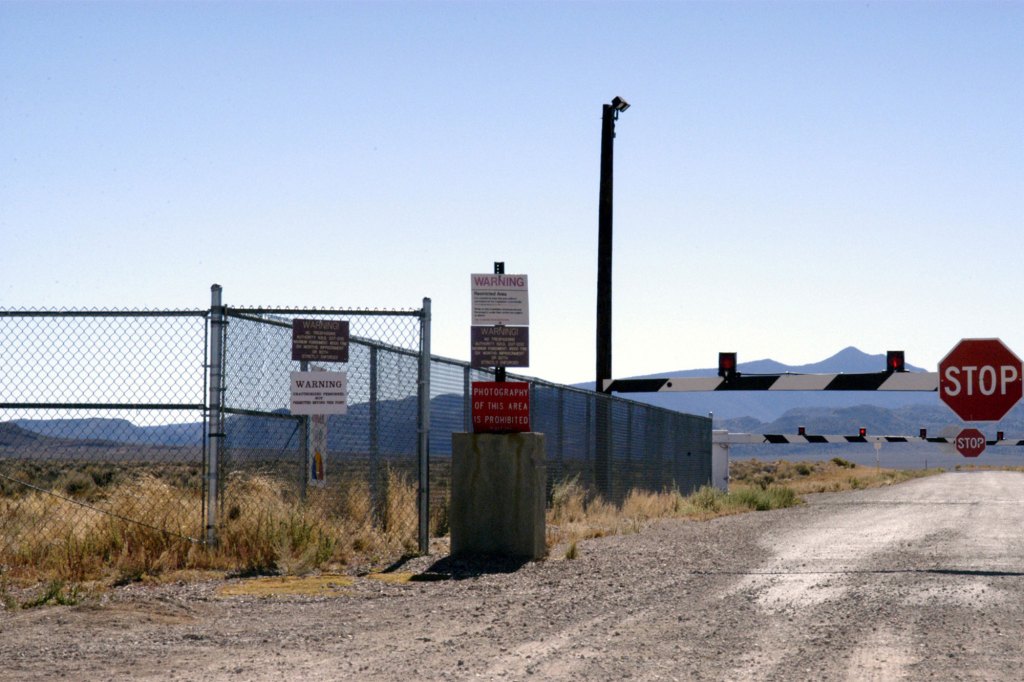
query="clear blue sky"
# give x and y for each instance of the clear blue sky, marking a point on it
(792, 178)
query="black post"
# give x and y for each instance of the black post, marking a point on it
(499, 372)
(604, 251)
(603, 432)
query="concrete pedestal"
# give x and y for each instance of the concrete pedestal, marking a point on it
(498, 494)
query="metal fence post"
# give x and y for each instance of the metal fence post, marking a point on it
(376, 476)
(627, 468)
(305, 446)
(424, 429)
(215, 409)
(603, 476)
(467, 401)
(589, 437)
(560, 449)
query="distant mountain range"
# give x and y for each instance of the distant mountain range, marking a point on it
(820, 412)
(396, 431)
(397, 421)
(823, 412)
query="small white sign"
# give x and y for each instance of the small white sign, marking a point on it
(500, 299)
(319, 392)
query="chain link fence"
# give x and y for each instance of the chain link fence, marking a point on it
(179, 422)
(610, 445)
(358, 470)
(102, 418)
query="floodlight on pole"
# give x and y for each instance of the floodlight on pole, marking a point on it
(610, 113)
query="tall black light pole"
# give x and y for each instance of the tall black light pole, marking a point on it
(609, 115)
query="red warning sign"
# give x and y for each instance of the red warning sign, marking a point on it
(501, 406)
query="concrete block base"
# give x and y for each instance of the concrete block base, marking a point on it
(498, 494)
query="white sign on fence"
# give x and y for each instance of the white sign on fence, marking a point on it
(319, 392)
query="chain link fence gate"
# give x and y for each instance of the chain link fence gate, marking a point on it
(363, 473)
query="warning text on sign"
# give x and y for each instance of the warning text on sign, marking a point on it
(320, 340)
(499, 347)
(319, 393)
(501, 406)
(500, 299)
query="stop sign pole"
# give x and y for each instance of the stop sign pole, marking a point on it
(981, 380)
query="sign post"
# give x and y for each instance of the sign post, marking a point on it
(981, 380)
(497, 471)
(318, 446)
(316, 394)
(500, 338)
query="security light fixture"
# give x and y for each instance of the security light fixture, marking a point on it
(619, 104)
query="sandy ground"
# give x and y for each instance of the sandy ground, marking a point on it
(924, 580)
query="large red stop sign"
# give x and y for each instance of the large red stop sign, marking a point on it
(970, 442)
(980, 380)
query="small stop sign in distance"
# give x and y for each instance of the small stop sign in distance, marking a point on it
(970, 442)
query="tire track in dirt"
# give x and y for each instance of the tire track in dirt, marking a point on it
(921, 581)
(918, 543)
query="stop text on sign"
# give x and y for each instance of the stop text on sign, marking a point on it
(984, 380)
(970, 443)
(981, 379)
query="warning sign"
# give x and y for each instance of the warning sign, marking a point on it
(501, 406)
(499, 347)
(500, 299)
(319, 392)
(320, 340)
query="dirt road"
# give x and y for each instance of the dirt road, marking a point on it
(924, 580)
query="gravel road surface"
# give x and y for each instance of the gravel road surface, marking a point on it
(924, 580)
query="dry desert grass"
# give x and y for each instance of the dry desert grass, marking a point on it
(271, 532)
